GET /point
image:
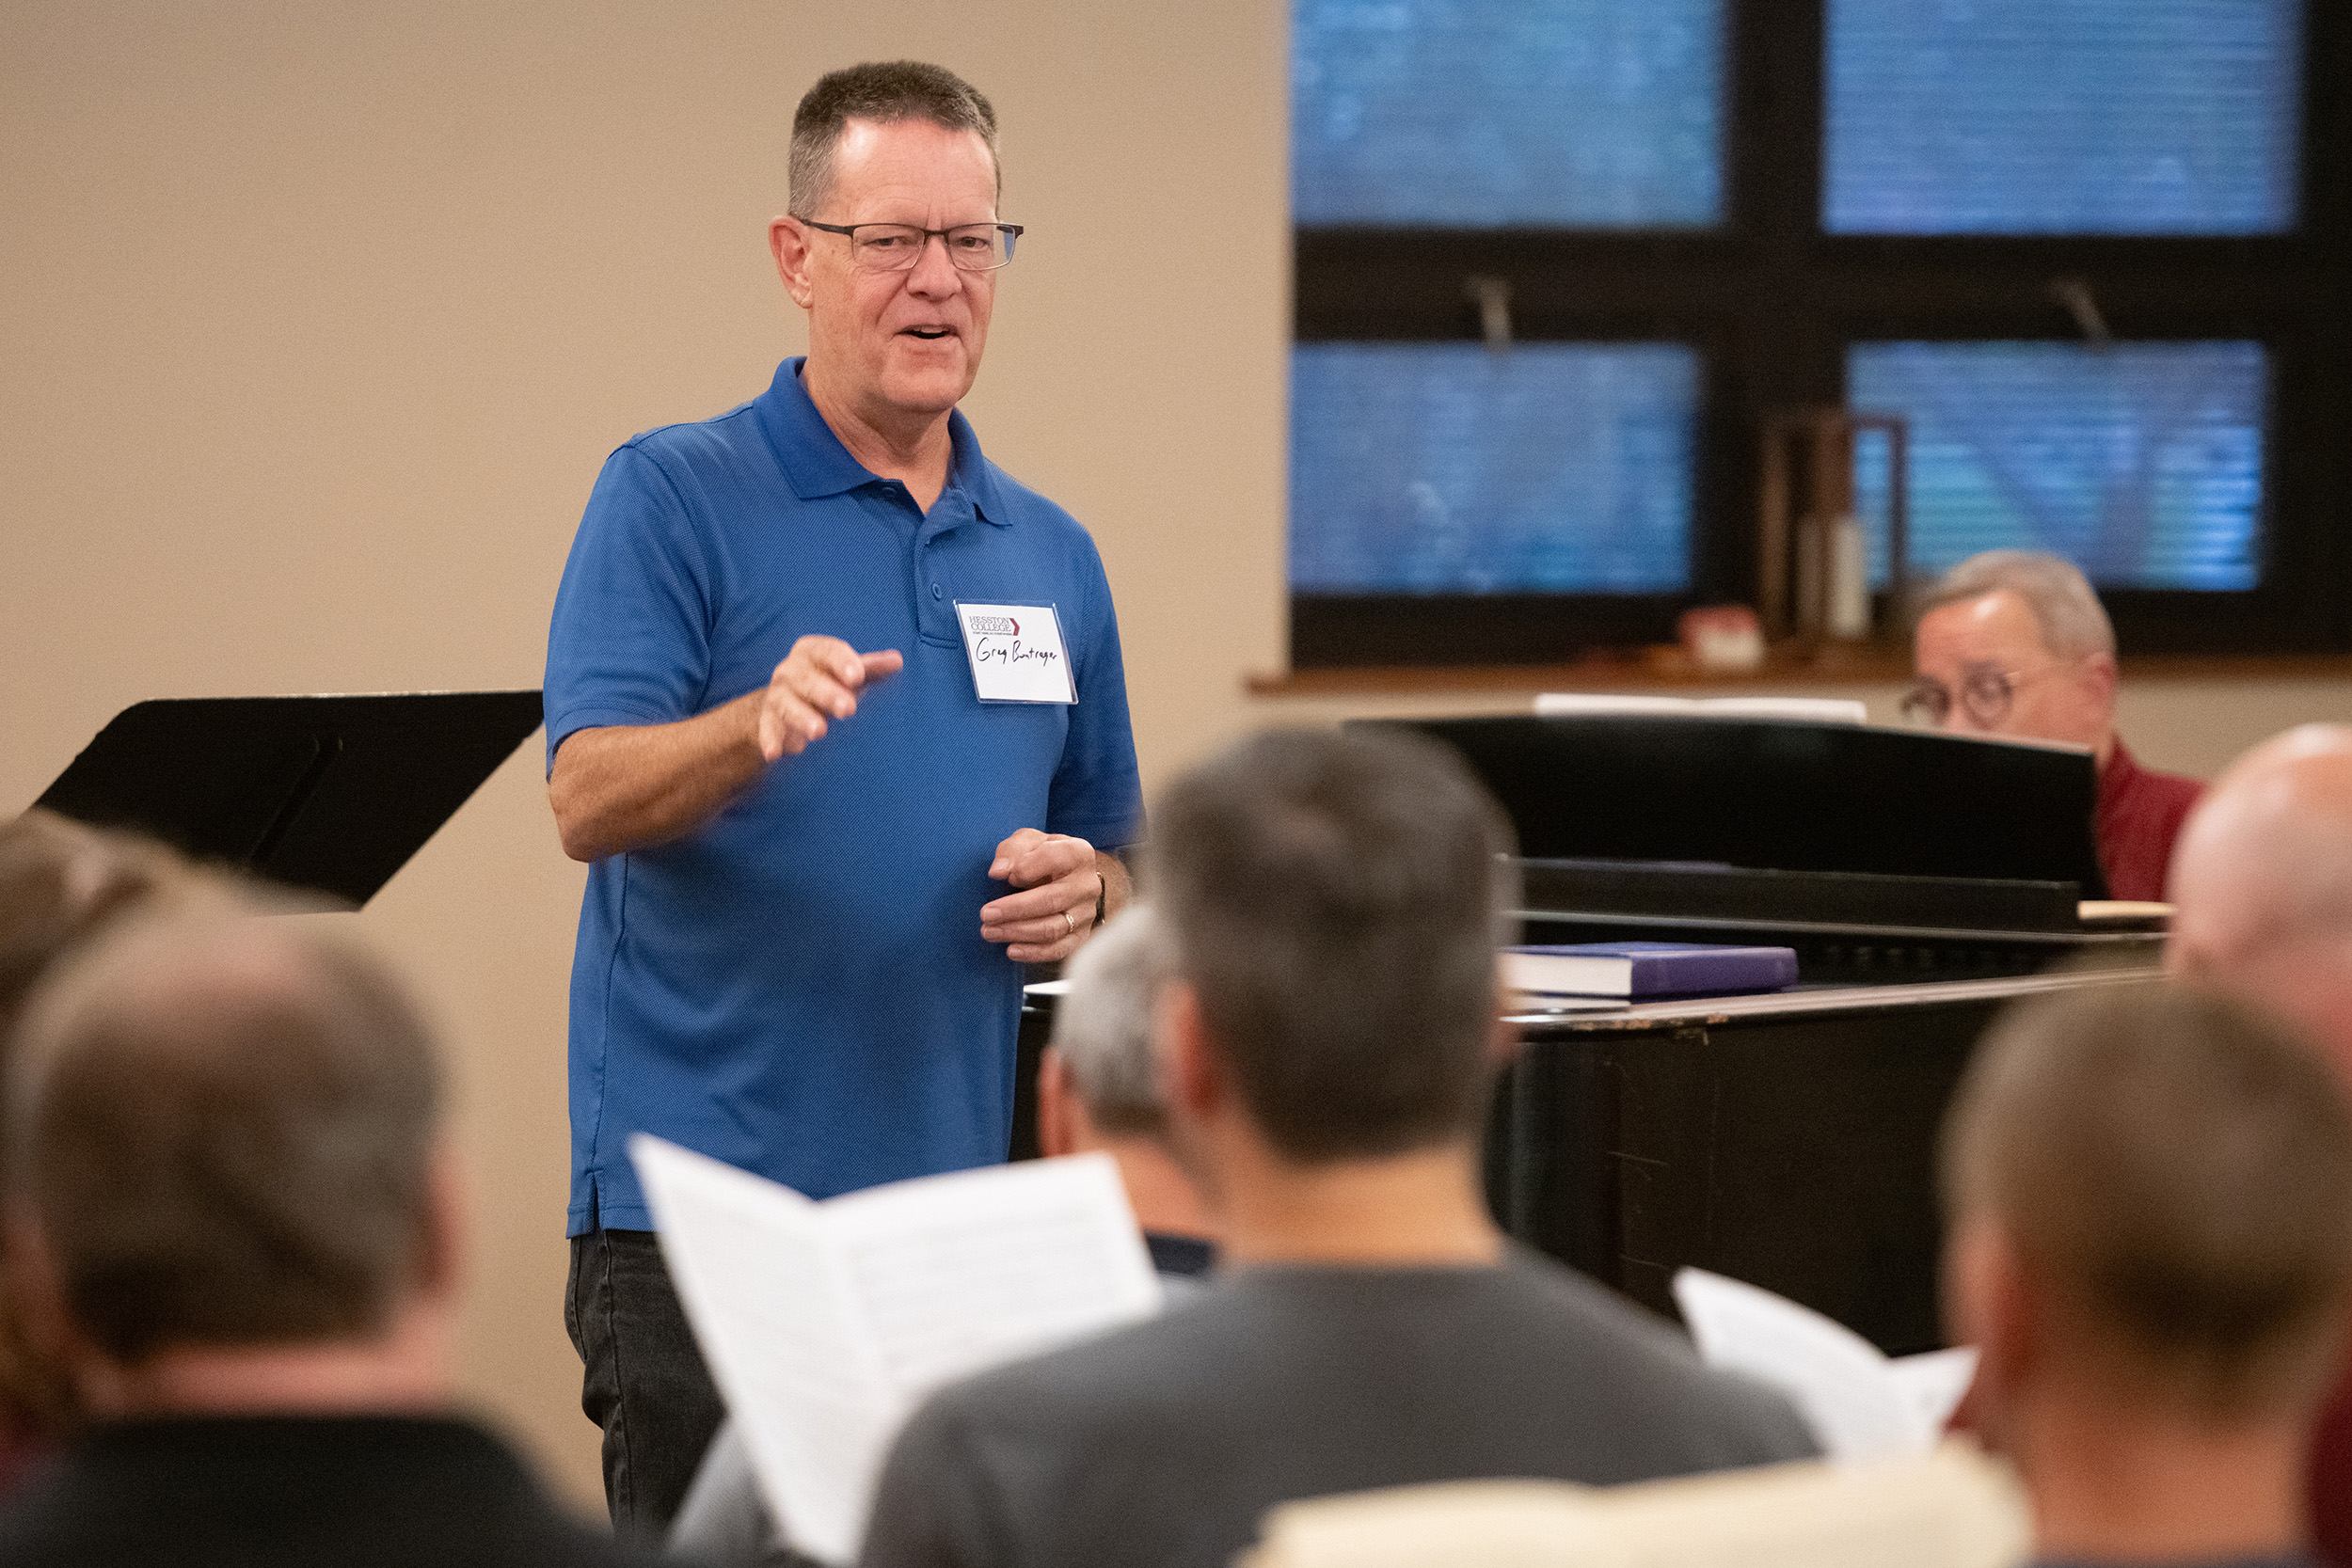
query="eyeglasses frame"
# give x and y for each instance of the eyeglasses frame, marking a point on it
(1012, 231)
(2011, 681)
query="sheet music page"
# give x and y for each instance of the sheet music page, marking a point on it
(1575, 704)
(1936, 1381)
(1837, 1379)
(771, 1309)
(1818, 710)
(1585, 704)
(953, 1273)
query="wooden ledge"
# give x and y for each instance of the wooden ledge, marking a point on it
(1844, 667)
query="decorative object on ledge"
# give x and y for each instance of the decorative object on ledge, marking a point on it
(1813, 564)
(1722, 640)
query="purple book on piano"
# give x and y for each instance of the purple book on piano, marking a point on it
(1639, 971)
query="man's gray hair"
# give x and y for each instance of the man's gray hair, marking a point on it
(885, 92)
(1103, 1028)
(2074, 623)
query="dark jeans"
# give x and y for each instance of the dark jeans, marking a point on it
(645, 1384)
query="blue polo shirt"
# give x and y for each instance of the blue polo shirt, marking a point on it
(798, 988)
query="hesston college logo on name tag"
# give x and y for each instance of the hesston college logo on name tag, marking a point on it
(1016, 653)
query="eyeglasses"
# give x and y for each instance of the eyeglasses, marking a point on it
(897, 246)
(1987, 692)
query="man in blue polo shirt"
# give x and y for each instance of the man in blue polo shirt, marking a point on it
(837, 713)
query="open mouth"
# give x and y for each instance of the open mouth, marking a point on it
(929, 334)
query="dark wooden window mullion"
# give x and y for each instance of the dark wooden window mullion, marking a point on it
(1770, 304)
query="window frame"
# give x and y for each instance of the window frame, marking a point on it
(1769, 303)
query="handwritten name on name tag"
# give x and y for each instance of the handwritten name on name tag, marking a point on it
(1016, 652)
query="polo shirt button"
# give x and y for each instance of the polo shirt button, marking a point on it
(935, 593)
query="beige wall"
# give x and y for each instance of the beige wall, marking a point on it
(317, 319)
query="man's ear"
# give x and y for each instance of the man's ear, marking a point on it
(2100, 680)
(787, 242)
(1502, 1044)
(44, 1327)
(1061, 1125)
(441, 1250)
(36, 1294)
(1989, 1303)
(1195, 1086)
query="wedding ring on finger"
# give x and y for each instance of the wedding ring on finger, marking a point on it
(1072, 924)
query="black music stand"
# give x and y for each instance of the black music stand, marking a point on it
(329, 796)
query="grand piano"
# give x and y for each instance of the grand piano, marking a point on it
(1925, 881)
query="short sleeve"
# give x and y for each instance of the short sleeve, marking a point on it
(630, 641)
(1097, 794)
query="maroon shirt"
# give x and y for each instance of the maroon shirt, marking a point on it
(2331, 1477)
(2139, 815)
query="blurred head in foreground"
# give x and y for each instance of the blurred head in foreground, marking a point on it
(63, 884)
(2263, 880)
(2150, 1205)
(1334, 899)
(1098, 1083)
(222, 1180)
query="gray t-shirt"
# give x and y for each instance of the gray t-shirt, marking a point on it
(1165, 1444)
(725, 1523)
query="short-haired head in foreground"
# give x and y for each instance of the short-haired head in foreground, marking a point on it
(1334, 898)
(2262, 879)
(1103, 1027)
(62, 885)
(2168, 1179)
(885, 92)
(222, 1129)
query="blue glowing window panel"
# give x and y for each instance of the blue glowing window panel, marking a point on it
(1497, 113)
(2142, 463)
(1443, 468)
(2063, 116)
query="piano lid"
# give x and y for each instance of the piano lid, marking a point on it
(1785, 795)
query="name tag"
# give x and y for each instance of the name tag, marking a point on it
(1016, 653)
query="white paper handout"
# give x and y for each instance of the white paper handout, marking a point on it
(826, 1323)
(1016, 652)
(1860, 1404)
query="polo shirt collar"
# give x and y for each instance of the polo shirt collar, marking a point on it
(817, 465)
(973, 474)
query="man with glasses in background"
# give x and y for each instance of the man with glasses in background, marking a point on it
(836, 714)
(2015, 643)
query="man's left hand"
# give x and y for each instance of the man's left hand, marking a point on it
(1052, 917)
